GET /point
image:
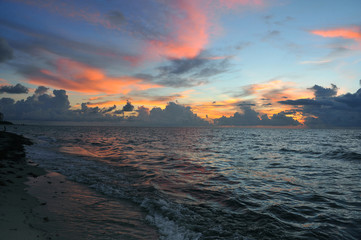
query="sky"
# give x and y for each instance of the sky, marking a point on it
(182, 62)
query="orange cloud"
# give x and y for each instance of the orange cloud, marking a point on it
(189, 33)
(265, 96)
(191, 27)
(216, 109)
(76, 76)
(347, 33)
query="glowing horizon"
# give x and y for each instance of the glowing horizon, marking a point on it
(214, 56)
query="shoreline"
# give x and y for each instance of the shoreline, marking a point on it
(17, 218)
(40, 204)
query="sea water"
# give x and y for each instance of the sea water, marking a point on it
(216, 183)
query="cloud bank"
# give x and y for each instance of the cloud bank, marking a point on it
(42, 106)
(250, 117)
(327, 109)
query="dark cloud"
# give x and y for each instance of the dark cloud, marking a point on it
(321, 92)
(300, 102)
(17, 89)
(56, 107)
(189, 72)
(181, 66)
(43, 107)
(329, 110)
(6, 52)
(246, 104)
(174, 115)
(116, 18)
(41, 90)
(250, 117)
(128, 107)
(53, 107)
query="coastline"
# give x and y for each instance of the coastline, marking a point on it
(17, 217)
(38, 204)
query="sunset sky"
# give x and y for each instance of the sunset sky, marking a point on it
(218, 57)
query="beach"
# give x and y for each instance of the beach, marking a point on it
(17, 217)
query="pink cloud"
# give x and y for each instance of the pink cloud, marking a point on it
(347, 33)
(190, 31)
(192, 27)
(189, 23)
(76, 76)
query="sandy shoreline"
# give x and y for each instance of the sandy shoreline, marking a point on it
(36, 204)
(17, 218)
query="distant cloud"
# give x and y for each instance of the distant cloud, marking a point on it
(51, 107)
(250, 117)
(327, 109)
(6, 52)
(173, 115)
(347, 33)
(17, 89)
(56, 107)
(128, 107)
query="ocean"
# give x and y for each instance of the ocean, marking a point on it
(212, 183)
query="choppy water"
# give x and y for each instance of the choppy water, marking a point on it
(218, 183)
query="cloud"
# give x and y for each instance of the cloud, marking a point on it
(76, 76)
(321, 92)
(17, 89)
(6, 52)
(56, 107)
(52, 107)
(271, 35)
(128, 107)
(189, 72)
(250, 117)
(272, 91)
(43, 107)
(327, 109)
(41, 90)
(40, 43)
(347, 33)
(174, 115)
(298, 102)
(116, 18)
